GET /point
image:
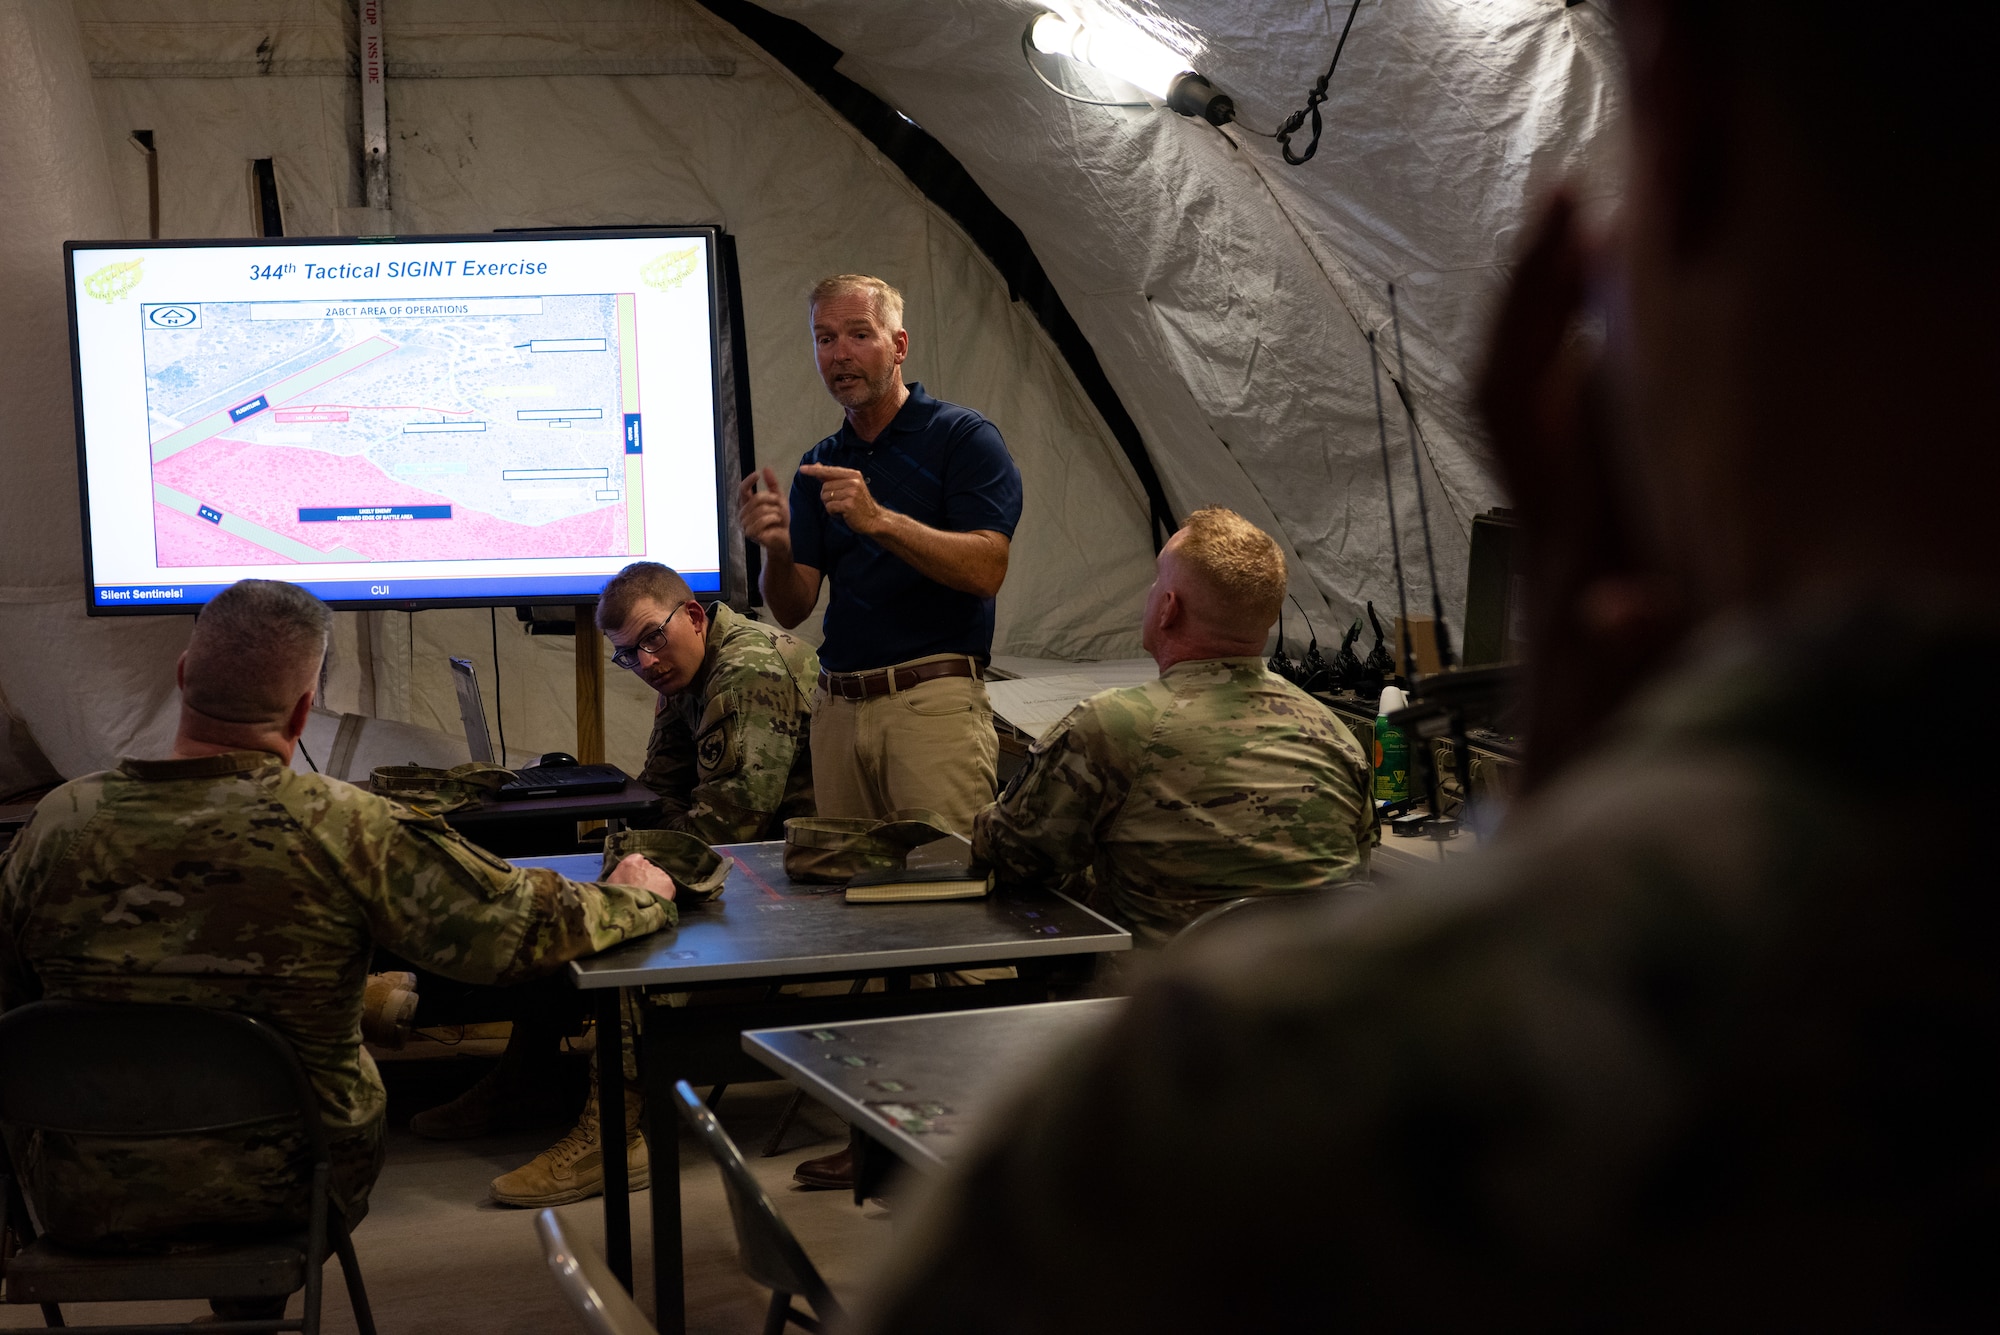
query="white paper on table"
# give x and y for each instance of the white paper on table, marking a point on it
(1036, 704)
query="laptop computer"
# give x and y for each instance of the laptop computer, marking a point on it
(558, 780)
(471, 710)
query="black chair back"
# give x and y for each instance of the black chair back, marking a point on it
(768, 1251)
(85, 1069)
(89, 1069)
(1238, 911)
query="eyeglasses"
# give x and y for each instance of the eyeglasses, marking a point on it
(651, 642)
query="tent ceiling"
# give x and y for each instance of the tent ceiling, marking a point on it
(1227, 293)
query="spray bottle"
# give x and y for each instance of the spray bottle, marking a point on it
(1392, 750)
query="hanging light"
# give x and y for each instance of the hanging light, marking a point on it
(1124, 52)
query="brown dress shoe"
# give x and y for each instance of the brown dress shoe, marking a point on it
(834, 1172)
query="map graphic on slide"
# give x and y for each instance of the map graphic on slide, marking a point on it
(394, 430)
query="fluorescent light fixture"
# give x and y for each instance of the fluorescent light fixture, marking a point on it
(1121, 50)
(1116, 49)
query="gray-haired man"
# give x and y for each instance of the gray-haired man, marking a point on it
(909, 510)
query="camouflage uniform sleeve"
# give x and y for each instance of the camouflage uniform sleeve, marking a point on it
(40, 847)
(455, 909)
(744, 748)
(1350, 821)
(670, 769)
(17, 981)
(1046, 823)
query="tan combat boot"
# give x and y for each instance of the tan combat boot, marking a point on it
(572, 1169)
(388, 1006)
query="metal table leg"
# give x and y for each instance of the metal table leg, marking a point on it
(611, 1135)
(874, 1163)
(678, 1042)
(663, 1132)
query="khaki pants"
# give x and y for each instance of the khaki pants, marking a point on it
(932, 746)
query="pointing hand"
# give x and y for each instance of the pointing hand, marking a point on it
(844, 492)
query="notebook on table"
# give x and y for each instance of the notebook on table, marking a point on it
(941, 869)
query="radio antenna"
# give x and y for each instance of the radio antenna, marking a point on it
(1417, 472)
(1389, 493)
(1455, 716)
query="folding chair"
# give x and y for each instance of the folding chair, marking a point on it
(765, 1246)
(593, 1291)
(84, 1070)
(1238, 911)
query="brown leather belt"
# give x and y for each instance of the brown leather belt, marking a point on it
(863, 685)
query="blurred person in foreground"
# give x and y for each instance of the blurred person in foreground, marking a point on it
(1218, 781)
(221, 877)
(1702, 1040)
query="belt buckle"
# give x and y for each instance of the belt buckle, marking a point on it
(852, 686)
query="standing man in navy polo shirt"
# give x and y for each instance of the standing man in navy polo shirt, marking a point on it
(909, 509)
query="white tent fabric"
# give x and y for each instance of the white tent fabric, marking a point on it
(1228, 294)
(520, 114)
(1225, 294)
(73, 690)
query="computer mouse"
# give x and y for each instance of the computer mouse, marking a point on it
(556, 760)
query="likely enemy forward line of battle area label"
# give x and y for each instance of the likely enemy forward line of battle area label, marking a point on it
(357, 514)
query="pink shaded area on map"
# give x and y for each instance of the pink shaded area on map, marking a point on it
(196, 542)
(268, 485)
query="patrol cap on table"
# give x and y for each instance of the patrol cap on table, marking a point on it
(834, 849)
(439, 790)
(699, 871)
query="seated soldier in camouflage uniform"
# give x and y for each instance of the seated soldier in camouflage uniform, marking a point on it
(1217, 781)
(731, 750)
(730, 756)
(220, 877)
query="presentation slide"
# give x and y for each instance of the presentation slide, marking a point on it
(439, 419)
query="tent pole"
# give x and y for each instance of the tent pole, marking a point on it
(374, 108)
(589, 686)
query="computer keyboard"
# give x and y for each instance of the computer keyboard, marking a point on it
(562, 781)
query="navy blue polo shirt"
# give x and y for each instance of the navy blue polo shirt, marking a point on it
(943, 466)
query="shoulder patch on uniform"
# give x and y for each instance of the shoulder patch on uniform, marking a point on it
(716, 752)
(483, 870)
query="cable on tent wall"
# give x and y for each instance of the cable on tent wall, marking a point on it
(1389, 497)
(1417, 477)
(319, 696)
(499, 699)
(1361, 326)
(1292, 123)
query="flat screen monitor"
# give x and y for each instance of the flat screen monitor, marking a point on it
(423, 421)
